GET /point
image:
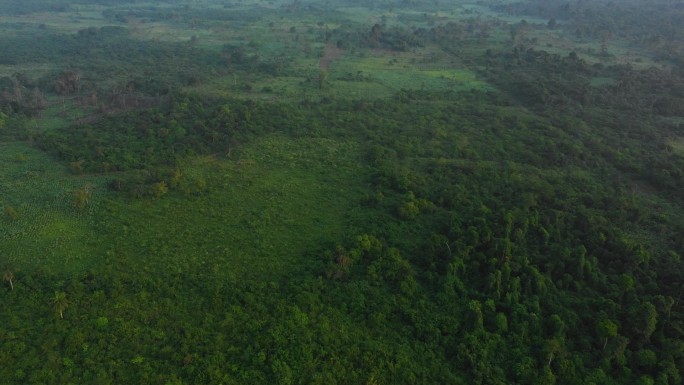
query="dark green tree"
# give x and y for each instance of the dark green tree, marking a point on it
(606, 329)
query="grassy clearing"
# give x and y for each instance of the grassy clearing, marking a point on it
(359, 90)
(351, 76)
(402, 72)
(47, 229)
(267, 212)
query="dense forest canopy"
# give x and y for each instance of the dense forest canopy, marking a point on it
(316, 192)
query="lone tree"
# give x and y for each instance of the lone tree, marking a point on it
(60, 302)
(8, 276)
(606, 329)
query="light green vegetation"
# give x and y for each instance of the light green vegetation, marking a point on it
(404, 71)
(48, 229)
(676, 145)
(360, 90)
(434, 80)
(261, 214)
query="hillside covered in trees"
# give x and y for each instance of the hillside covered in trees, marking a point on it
(312, 192)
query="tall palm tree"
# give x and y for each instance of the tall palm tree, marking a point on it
(8, 276)
(60, 302)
